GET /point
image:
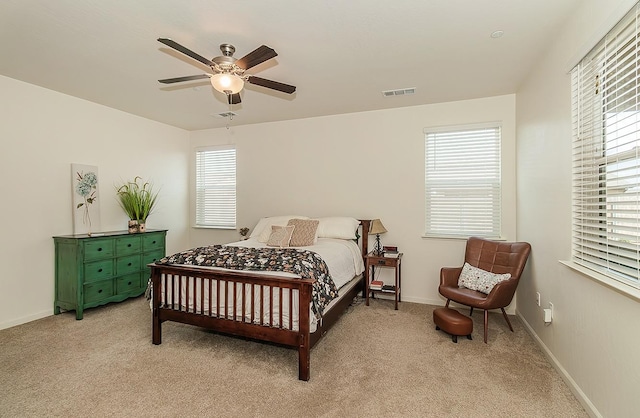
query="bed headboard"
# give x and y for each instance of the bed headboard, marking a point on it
(366, 225)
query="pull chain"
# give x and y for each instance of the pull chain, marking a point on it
(230, 111)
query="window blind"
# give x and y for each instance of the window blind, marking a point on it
(462, 182)
(606, 156)
(216, 187)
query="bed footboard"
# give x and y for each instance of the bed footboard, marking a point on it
(265, 308)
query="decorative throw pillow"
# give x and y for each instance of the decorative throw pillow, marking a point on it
(280, 236)
(305, 233)
(262, 230)
(477, 279)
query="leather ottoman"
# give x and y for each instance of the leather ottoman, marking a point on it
(453, 322)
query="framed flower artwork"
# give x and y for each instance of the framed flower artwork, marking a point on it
(86, 202)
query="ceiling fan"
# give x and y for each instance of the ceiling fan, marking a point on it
(229, 75)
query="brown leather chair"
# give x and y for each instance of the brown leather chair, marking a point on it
(493, 256)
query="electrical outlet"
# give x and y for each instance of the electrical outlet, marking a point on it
(538, 298)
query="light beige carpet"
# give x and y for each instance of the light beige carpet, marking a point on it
(375, 362)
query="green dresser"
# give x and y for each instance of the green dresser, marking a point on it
(93, 271)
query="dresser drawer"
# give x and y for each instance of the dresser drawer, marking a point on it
(98, 270)
(148, 258)
(95, 292)
(128, 283)
(128, 245)
(98, 248)
(128, 264)
(152, 241)
(152, 257)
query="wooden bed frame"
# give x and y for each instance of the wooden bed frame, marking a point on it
(283, 334)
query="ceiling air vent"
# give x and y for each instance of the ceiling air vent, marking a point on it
(230, 115)
(399, 92)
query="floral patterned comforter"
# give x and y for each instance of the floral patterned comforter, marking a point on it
(304, 263)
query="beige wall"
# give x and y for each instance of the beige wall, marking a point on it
(365, 165)
(594, 337)
(42, 133)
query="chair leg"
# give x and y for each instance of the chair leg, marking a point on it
(486, 324)
(471, 311)
(447, 304)
(507, 319)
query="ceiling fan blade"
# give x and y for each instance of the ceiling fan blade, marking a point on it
(187, 78)
(270, 84)
(234, 98)
(170, 43)
(255, 57)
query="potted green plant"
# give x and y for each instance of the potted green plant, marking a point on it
(138, 200)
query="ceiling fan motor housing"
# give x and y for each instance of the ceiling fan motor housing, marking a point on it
(226, 62)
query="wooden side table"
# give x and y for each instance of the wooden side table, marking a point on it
(373, 261)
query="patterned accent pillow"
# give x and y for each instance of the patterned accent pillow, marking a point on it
(262, 230)
(280, 236)
(305, 233)
(477, 279)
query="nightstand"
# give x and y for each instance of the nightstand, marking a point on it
(371, 262)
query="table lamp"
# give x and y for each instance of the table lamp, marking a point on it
(377, 228)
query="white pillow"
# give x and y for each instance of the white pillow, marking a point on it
(262, 230)
(340, 227)
(477, 279)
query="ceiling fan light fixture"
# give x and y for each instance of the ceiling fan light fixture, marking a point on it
(227, 83)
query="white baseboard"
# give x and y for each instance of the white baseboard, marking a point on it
(25, 319)
(573, 386)
(434, 302)
(423, 301)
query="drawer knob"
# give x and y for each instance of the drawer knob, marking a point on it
(100, 249)
(380, 261)
(129, 245)
(100, 291)
(129, 283)
(129, 264)
(99, 270)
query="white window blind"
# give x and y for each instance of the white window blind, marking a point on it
(462, 182)
(216, 187)
(606, 157)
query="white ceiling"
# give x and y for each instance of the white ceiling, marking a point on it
(340, 54)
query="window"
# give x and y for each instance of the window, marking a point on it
(606, 155)
(216, 187)
(462, 182)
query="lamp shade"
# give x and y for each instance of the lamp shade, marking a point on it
(377, 227)
(227, 83)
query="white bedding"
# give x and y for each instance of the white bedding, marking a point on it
(343, 258)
